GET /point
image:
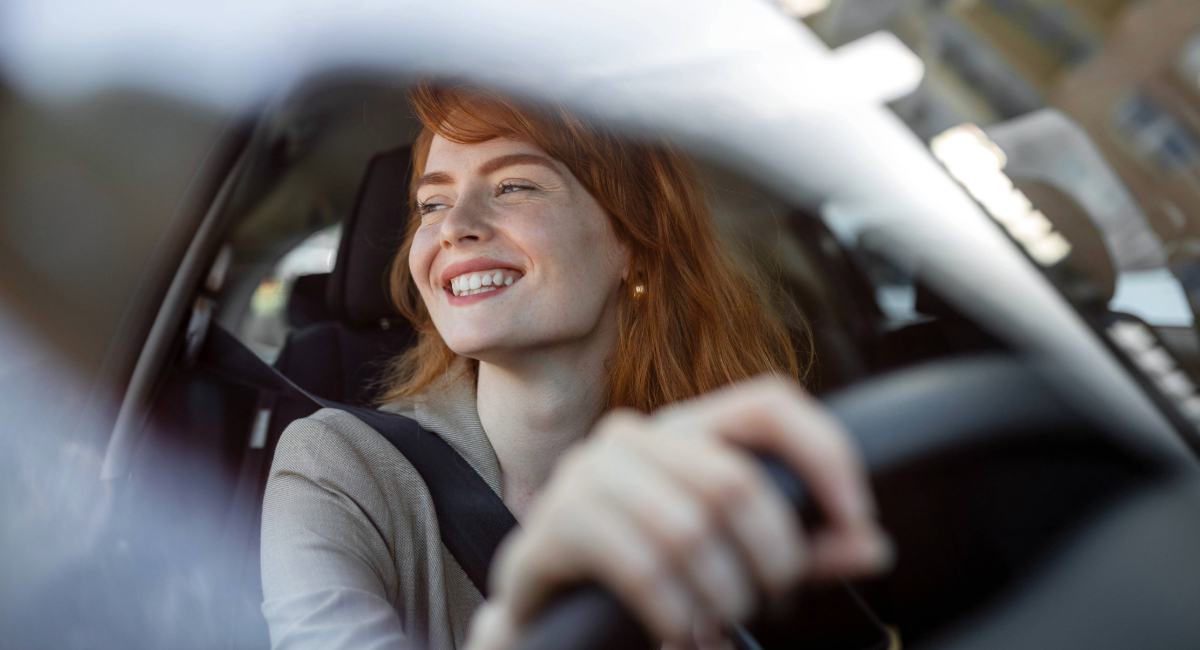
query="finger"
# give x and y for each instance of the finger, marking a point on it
(620, 422)
(758, 518)
(679, 520)
(492, 628)
(850, 552)
(604, 545)
(771, 415)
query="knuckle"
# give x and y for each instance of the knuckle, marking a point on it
(560, 513)
(584, 466)
(734, 484)
(572, 462)
(663, 423)
(644, 576)
(688, 533)
(620, 422)
(831, 449)
(781, 394)
(770, 385)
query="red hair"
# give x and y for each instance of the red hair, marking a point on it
(703, 320)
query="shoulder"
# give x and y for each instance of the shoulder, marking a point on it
(330, 439)
(344, 515)
(344, 509)
(340, 453)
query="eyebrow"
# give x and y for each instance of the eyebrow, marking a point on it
(489, 167)
(509, 160)
(433, 178)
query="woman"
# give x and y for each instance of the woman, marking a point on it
(598, 356)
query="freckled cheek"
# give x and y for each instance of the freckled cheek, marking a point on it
(554, 234)
(420, 259)
(593, 252)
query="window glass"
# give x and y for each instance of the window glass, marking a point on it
(1155, 296)
(265, 325)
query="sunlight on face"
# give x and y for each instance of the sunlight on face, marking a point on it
(512, 253)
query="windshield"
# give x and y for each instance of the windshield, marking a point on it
(1074, 124)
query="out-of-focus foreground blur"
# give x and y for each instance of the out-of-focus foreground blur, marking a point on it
(164, 167)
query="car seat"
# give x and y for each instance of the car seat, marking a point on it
(339, 350)
(340, 358)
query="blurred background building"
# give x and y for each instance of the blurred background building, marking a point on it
(1127, 71)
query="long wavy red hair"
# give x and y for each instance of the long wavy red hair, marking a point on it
(703, 319)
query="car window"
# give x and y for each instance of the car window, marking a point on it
(265, 325)
(1154, 295)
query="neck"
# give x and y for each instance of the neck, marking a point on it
(536, 405)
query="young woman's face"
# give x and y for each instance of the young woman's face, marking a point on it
(512, 252)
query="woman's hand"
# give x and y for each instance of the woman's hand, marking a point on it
(674, 516)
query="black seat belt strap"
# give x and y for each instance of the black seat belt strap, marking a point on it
(473, 520)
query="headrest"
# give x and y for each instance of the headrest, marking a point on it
(306, 305)
(371, 236)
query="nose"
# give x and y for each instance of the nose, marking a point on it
(467, 221)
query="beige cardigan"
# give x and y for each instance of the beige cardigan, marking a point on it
(351, 554)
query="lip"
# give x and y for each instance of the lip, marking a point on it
(470, 266)
(461, 301)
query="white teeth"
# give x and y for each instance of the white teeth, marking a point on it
(470, 284)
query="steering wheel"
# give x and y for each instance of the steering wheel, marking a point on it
(981, 472)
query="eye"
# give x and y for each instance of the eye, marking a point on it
(425, 207)
(508, 187)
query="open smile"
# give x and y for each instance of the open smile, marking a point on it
(469, 282)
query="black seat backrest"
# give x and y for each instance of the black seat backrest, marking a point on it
(342, 358)
(338, 352)
(306, 304)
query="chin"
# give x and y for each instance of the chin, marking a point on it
(498, 347)
(480, 346)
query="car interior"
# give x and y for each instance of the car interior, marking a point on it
(1019, 520)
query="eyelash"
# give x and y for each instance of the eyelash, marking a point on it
(511, 185)
(424, 208)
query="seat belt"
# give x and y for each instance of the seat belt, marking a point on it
(472, 519)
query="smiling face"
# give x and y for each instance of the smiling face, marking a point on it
(512, 252)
